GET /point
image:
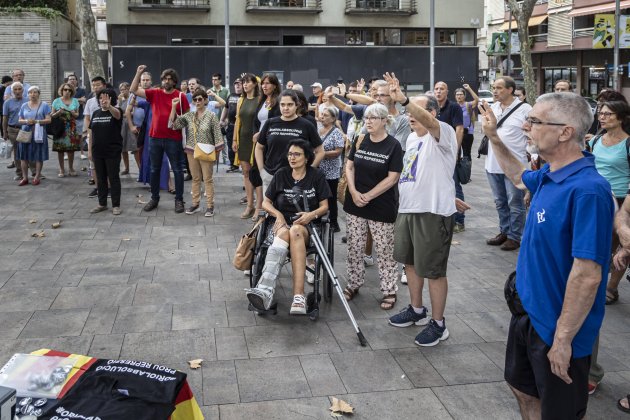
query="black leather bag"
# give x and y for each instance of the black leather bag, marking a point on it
(57, 127)
(463, 169)
(483, 146)
(511, 296)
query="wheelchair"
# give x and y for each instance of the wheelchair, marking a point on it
(322, 280)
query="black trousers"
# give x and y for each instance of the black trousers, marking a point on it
(467, 143)
(108, 170)
(332, 201)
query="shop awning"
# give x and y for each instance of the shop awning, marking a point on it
(534, 21)
(600, 8)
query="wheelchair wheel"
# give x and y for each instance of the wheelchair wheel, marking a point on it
(258, 260)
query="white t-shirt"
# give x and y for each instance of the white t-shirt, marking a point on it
(511, 134)
(90, 106)
(426, 183)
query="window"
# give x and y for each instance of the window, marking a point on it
(315, 39)
(416, 37)
(382, 37)
(192, 41)
(354, 37)
(463, 37)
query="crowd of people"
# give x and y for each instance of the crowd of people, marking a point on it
(403, 162)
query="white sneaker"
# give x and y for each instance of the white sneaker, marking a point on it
(368, 260)
(298, 307)
(83, 157)
(403, 278)
(65, 156)
(246, 273)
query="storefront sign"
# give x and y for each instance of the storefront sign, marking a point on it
(604, 31)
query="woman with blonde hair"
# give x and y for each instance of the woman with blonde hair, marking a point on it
(66, 108)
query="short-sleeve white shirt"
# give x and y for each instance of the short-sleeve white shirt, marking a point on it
(511, 134)
(426, 183)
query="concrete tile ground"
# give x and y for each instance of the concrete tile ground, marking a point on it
(160, 287)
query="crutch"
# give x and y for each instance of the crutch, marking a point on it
(327, 265)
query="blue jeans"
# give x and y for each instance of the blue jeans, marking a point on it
(510, 206)
(459, 193)
(175, 154)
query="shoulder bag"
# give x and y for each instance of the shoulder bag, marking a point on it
(245, 248)
(342, 186)
(24, 136)
(483, 146)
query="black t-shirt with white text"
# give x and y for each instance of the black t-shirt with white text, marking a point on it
(232, 103)
(372, 163)
(276, 134)
(281, 190)
(106, 137)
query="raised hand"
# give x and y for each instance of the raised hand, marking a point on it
(141, 68)
(360, 85)
(394, 87)
(488, 121)
(175, 102)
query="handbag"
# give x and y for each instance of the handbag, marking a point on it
(205, 152)
(245, 249)
(483, 146)
(24, 136)
(342, 186)
(463, 169)
(38, 135)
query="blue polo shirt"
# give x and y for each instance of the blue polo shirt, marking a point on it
(451, 114)
(11, 109)
(571, 216)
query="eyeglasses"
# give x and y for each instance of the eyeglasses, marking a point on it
(604, 114)
(66, 90)
(534, 121)
(198, 99)
(370, 119)
(294, 154)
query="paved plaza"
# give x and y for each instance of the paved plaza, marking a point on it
(160, 287)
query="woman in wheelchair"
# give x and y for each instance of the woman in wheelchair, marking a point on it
(289, 229)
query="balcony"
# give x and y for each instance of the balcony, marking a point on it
(383, 7)
(577, 33)
(284, 6)
(169, 5)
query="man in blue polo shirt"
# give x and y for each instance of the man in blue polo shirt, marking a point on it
(563, 263)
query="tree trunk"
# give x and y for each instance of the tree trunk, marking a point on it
(521, 15)
(89, 41)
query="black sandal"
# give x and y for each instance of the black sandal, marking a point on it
(621, 407)
(388, 301)
(349, 293)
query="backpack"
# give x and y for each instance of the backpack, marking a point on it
(597, 138)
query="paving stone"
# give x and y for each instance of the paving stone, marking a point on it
(491, 326)
(177, 231)
(238, 315)
(76, 345)
(346, 336)
(271, 379)
(229, 290)
(321, 375)
(283, 340)
(417, 368)
(55, 323)
(220, 385)
(12, 323)
(100, 321)
(33, 278)
(231, 343)
(134, 257)
(210, 412)
(212, 271)
(172, 292)
(140, 274)
(358, 370)
(105, 276)
(143, 318)
(27, 299)
(106, 346)
(101, 259)
(5, 275)
(193, 316)
(418, 403)
(462, 364)
(104, 245)
(93, 296)
(495, 351)
(170, 346)
(176, 256)
(174, 273)
(381, 335)
(289, 409)
(479, 401)
(70, 276)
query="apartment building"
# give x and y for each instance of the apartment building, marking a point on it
(305, 40)
(561, 37)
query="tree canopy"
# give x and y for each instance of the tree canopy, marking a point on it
(59, 5)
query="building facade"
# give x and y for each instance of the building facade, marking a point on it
(304, 40)
(561, 37)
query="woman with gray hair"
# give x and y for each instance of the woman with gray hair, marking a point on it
(34, 116)
(372, 172)
(10, 124)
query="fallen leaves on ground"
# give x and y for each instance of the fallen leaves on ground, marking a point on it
(32, 221)
(454, 243)
(126, 239)
(39, 234)
(141, 201)
(340, 407)
(56, 225)
(195, 364)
